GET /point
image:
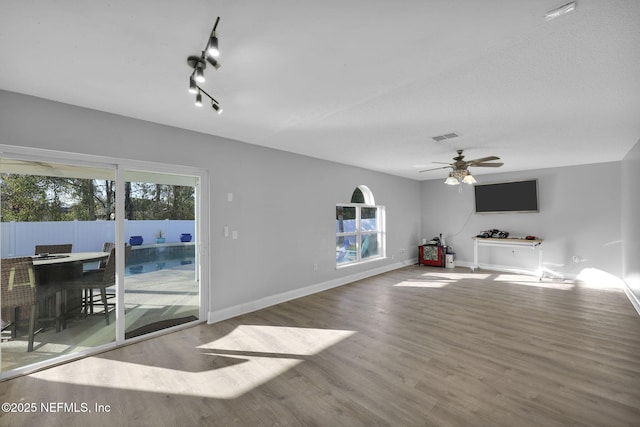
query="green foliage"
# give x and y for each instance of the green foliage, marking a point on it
(41, 198)
(32, 198)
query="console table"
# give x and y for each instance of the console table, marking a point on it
(509, 243)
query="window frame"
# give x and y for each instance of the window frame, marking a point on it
(359, 233)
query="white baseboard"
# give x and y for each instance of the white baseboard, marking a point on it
(635, 302)
(248, 307)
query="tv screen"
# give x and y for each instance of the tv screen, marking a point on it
(517, 196)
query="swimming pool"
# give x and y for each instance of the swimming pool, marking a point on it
(162, 264)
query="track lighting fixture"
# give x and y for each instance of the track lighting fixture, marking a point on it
(211, 60)
(193, 88)
(213, 45)
(200, 73)
(214, 103)
(199, 64)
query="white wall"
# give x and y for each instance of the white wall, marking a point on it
(579, 215)
(284, 211)
(630, 220)
(283, 204)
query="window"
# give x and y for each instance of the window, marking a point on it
(359, 229)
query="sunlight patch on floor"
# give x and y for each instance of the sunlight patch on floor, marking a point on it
(232, 365)
(456, 275)
(502, 277)
(598, 279)
(563, 286)
(424, 284)
(524, 280)
(278, 339)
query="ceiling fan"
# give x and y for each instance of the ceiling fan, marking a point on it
(460, 172)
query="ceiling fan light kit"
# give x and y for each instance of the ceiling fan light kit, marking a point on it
(460, 168)
(469, 179)
(451, 180)
(199, 64)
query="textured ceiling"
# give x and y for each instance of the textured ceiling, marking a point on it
(366, 83)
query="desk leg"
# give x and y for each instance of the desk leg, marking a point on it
(540, 265)
(474, 267)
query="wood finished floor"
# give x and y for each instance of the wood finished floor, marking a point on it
(417, 346)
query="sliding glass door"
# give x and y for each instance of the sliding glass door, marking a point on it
(94, 254)
(161, 283)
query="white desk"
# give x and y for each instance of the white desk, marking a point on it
(509, 243)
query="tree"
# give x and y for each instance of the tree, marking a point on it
(42, 198)
(33, 198)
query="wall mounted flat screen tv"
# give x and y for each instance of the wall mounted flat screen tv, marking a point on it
(516, 196)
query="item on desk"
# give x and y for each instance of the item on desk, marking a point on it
(493, 233)
(531, 238)
(434, 241)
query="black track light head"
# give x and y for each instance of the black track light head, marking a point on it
(213, 46)
(193, 88)
(199, 100)
(215, 64)
(200, 73)
(216, 107)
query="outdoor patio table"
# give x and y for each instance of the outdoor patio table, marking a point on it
(58, 269)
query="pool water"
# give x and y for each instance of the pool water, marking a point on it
(163, 264)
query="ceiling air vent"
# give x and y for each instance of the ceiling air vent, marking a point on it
(446, 136)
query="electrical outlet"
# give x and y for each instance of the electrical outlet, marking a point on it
(577, 259)
(315, 266)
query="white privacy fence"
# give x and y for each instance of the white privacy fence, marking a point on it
(20, 238)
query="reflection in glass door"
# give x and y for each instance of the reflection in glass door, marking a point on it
(56, 219)
(161, 286)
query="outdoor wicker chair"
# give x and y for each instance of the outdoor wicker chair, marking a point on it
(63, 248)
(19, 289)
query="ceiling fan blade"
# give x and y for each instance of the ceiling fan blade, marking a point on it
(482, 159)
(487, 165)
(442, 167)
(442, 163)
